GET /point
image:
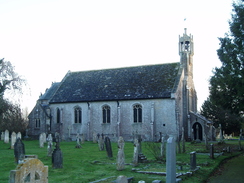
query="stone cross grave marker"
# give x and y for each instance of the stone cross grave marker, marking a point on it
(170, 161)
(6, 137)
(19, 151)
(31, 170)
(108, 147)
(57, 156)
(121, 154)
(13, 139)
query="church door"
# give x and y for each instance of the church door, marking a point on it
(197, 131)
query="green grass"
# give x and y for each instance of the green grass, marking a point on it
(89, 164)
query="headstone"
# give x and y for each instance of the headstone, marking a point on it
(19, 135)
(13, 139)
(193, 162)
(121, 154)
(211, 151)
(41, 140)
(163, 147)
(2, 136)
(31, 170)
(57, 156)
(135, 155)
(44, 135)
(108, 147)
(170, 161)
(78, 141)
(94, 137)
(6, 137)
(141, 181)
(19, 150)
(101, 142)
(82, 138)
(121, 179)
(49, 145)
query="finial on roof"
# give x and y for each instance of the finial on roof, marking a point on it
(185, 31)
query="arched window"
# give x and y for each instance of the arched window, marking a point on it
(58, 115)
(78, 116)
(137, 113)
(38, 123)
(106, 114)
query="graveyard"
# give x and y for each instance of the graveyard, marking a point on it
(89, 163)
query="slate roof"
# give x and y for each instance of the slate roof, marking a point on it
(141, 82)
(50, 92)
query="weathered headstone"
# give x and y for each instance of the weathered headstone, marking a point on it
(19, 135)
(13, 139)
(211, 151)
(41, 140)
(135, 155)
(101, 143)
(78, 141)
(57, 156)
(170, 161)
(121, 179)
(31, 170)
(121, 154)
(163, 147)
(108, 147)
(19, 150)
(193, 162)
(2, 136)
(49, 145)
(6, 137)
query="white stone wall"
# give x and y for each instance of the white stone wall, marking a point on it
(158, 115)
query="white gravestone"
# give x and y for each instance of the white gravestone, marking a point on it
(13, 139)
(6, 137)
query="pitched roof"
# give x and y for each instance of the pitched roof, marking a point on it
(50, 92)
(141, 82)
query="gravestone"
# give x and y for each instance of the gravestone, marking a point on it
(13, 139)
(41, 140)
(135, 155)
(6, 137)
(121, 179)
(78, 141)
(19, 150)
(94, 137)
(193, 162)
(121, 154)
(162, 147)
(211, 151)
(57, 156)
(2, 136)
(101, 142)
(108, 147)
(19, 135)
(31, 170)
(49, 145)
(170, 161)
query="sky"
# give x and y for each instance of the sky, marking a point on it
(44, 39)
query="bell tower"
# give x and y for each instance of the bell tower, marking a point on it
(186, 52)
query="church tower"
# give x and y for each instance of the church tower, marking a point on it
(189, 98)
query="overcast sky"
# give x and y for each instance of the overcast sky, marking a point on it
(44, 39)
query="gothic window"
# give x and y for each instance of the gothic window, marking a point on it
(77, 112)
(38, 123)
(137, 113)
(58, 115)
(106, 114)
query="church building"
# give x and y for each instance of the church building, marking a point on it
(149, 100)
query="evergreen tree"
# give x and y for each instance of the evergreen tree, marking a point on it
(226, 100)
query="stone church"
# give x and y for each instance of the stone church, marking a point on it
(150, 100)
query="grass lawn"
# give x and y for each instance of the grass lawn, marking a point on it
(89, 164)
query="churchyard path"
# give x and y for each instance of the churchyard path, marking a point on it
(230, 172)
